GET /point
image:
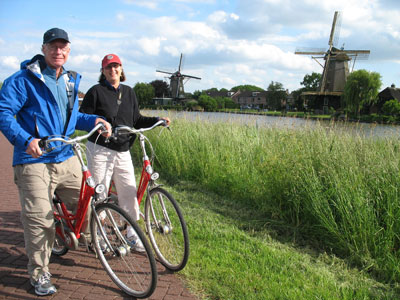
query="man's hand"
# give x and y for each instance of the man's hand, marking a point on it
(108, 127)
(34, 149)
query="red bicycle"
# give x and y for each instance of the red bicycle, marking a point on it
(163, 218)
(134, 273)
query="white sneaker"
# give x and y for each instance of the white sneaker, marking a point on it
(43, 285)
(134, 241)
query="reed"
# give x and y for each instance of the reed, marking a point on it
(332, 188)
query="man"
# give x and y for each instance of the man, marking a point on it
(41, 100)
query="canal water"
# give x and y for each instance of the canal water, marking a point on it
(363, 129)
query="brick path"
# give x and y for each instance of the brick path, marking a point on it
(77, 275)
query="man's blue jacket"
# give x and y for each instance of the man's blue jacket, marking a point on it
(29, 110)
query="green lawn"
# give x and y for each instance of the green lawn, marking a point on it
(231, 260)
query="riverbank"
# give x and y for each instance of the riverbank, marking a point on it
(371, 118)
(276, 191)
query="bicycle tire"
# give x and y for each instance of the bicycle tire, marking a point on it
(170, 242)
(133, 272)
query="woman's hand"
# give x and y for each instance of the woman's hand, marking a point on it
(108, 127)
(167, 120)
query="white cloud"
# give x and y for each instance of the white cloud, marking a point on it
(143, 3)
(151, 46)
(10, 62)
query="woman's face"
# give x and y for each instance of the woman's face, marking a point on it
(113, 72)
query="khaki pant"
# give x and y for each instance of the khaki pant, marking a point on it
(37, 184)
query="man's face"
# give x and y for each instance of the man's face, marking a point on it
(56, 53)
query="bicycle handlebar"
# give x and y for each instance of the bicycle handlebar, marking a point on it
(44, 142)
(130, 130)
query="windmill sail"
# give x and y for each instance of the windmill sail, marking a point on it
(335, 66)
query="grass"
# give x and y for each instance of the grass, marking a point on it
(285, 214)
(230, 260)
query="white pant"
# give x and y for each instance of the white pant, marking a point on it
(105, 164)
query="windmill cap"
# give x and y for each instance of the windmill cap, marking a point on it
(55, 34)
(109, 59)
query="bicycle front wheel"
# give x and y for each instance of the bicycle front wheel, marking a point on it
(167, 229)
(132, 271)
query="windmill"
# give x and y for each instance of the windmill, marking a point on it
(335, 67)
(177, 82)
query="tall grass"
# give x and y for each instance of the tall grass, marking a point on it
(331, 188)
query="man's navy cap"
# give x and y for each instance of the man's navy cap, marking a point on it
(55, 34)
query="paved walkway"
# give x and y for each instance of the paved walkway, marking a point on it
(77, 275)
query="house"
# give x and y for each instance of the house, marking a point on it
(251, 99)
(389, 93)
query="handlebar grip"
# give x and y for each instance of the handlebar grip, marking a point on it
(103, 126)
(42, 143)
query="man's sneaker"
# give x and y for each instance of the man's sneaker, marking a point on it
(134, 241)
(43, 285)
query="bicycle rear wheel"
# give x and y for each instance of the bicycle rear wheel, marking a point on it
(133, 272)
(167, 229)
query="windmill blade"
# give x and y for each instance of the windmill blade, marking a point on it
(164, 72)
(359, 54)
(180, 63)
(357, 51)
(336, 23)
(190, 76)
(310, 51)
(338, 26)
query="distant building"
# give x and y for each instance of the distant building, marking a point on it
(389, 93)
(251, 99)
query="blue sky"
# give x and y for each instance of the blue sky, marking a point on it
(226, 43)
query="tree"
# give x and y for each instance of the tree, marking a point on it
(247, 87)
(229, 103)
(208, 103)
(391, 108)
(362, 88)
(311, 82)
(196, 94)
(1, 84)
(161, 88)
(277, 94)
(144, 93)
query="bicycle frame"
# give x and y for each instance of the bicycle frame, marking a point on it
(147, 172)
(75, 221)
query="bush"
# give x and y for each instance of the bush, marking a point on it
(391, 108)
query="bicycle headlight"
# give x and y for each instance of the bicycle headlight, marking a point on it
(154, 176)
(100, 188)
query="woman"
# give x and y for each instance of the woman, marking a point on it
(118, 104)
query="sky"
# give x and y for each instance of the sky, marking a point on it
(224, 42)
